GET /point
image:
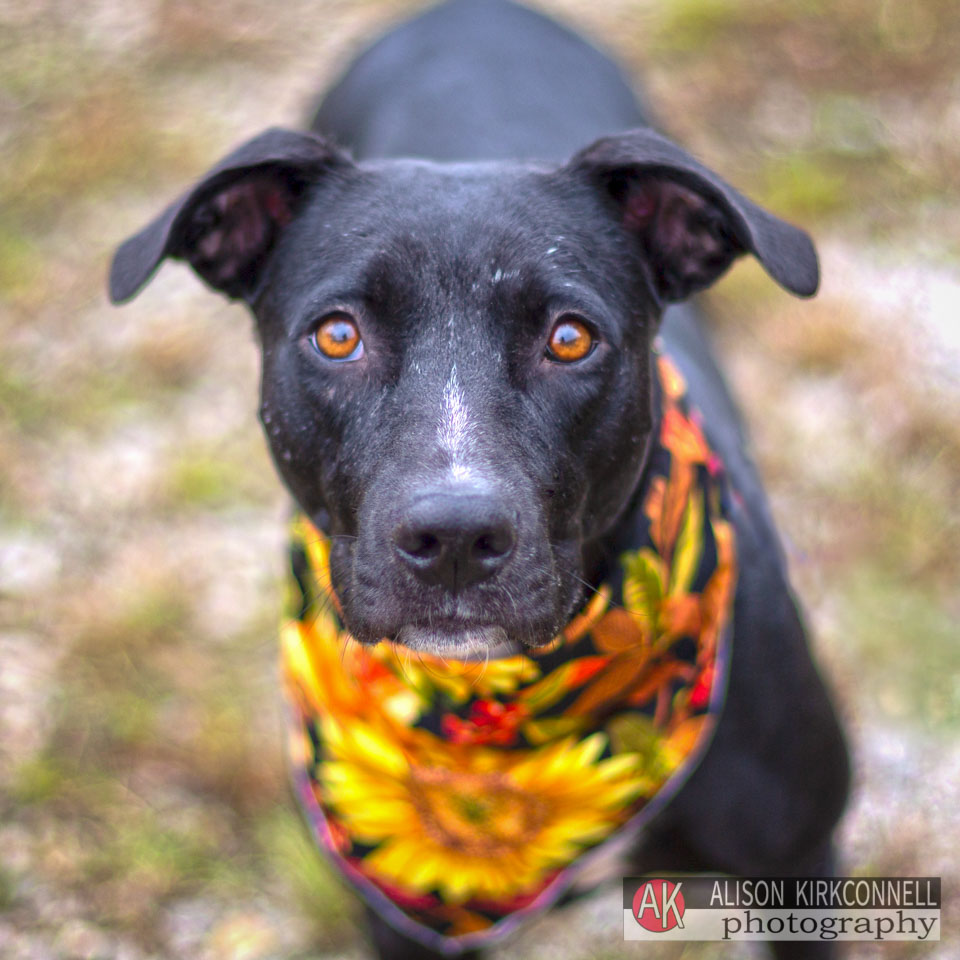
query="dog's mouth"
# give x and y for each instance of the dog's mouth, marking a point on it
(495, 625)
(498, 618)
(458, 639)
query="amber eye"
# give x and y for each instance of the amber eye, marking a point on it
(338, 338)
(570, 340)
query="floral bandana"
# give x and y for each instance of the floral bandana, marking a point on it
(462, 797)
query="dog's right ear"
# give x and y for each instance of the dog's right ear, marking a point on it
(226, 225)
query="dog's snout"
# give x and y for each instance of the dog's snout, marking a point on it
(455, 539)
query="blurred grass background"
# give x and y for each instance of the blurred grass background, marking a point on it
(143, 804)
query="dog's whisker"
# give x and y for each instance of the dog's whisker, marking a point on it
(486, 663)
(611, 603)
(402, 665)
(320, 537)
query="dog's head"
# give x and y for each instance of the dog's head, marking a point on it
(456, 359)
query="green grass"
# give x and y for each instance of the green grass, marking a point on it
(902, 642)
(87, 397)
(7, 891)
(206, 479)
(148, 853)
(37, 780)
(687, 26)
(321, 896)
(804, 186)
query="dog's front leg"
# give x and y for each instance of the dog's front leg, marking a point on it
(821, 863)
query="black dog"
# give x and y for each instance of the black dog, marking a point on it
(471, 477)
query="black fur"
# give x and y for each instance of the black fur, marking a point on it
(455, 267)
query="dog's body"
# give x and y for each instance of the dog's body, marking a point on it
(451, 450)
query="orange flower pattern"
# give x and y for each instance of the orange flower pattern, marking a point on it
(459, 797)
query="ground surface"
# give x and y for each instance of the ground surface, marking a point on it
(143, 804)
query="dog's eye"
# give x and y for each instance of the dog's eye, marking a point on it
(338, 338)
(570, 340)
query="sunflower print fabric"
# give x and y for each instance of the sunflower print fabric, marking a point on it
(461, 797)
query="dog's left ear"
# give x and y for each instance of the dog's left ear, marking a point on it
(691, 223)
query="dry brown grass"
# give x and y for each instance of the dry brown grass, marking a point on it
(143, 805)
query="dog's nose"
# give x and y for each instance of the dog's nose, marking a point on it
(455, 538)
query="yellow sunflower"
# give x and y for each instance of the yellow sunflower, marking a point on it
(472, 823)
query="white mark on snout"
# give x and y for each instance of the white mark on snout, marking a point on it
(454, 422)
(454, 430)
